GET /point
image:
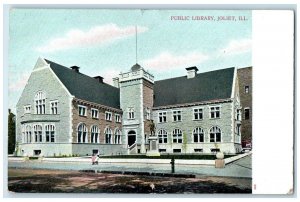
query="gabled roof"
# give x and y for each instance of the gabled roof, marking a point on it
(206, 86)
(86, 88)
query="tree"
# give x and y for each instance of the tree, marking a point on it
(11, 132)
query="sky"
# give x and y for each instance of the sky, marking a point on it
(103, 42)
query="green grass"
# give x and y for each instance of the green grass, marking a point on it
(176, 156)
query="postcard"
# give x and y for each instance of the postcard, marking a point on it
(137, 101)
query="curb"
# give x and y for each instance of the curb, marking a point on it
(140, 173)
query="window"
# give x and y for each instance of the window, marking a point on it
(37, 130)
(198, 150)
(130, 113)
(82, 110)
(215, 134)
(81, 133)
(108, 116)
(177, 136)
(162, 136)
(108, 134)
(40, 100)
(176, 150)
(94, 134)
(50, 133)
(53, 107)
(198, 114)
(176, 115)
(148, 114)
(247, 89)
(117, 136)
(162, 150)
(238, 115)
(247, 113)
(198, 135)
(214, 112)
(162, 117)
(118, 118)
(27, 109)
(94, 113)
(26, 133)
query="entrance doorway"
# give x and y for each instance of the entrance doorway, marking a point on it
(131, 137)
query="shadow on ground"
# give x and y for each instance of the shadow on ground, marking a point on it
(41, 181)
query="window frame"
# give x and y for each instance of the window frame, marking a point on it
(198, 135)
(162, 137)
(118, 120)
(177, 113)
(95, 134)
(177, 136)
(247, 108)
(50, 128)
(215, 134)
(131, 113)
(50, 103)
(26, 110)
(38, 134)
(163, 116)
(247, 89)
(93, 115)
(40, 102)
(202, 113)
(108, 115)
(215, 111)
(85, 110)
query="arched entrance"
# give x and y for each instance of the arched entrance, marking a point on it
(131, 137)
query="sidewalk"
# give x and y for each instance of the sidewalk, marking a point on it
(240, 168)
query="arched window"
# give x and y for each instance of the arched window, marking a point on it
(162, 136)
(38, 130)
(215, 134)
(82, 133)
(177, 136)
(50, 133)
(94, 134)
(108, 134)
(27, 134)
(198, 134)
(130, 113)
(117, 136)
(40, 100)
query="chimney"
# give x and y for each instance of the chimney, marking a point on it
(116, 82)
(75, 68)
(99, 79)
(191, 72)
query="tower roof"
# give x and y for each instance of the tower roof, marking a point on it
(136, 67)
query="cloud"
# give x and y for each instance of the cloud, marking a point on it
(237, 47)
(95, 36)
(19, 84)
(167, 61)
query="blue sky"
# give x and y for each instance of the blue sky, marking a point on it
(102, 42)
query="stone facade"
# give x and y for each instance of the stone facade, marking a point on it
(245, 81)
(136, 115)
(188, 124)
(43, 80)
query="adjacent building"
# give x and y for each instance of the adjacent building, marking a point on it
(64, 112)
(245, 86)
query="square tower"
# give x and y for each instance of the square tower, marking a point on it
(136, 101)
